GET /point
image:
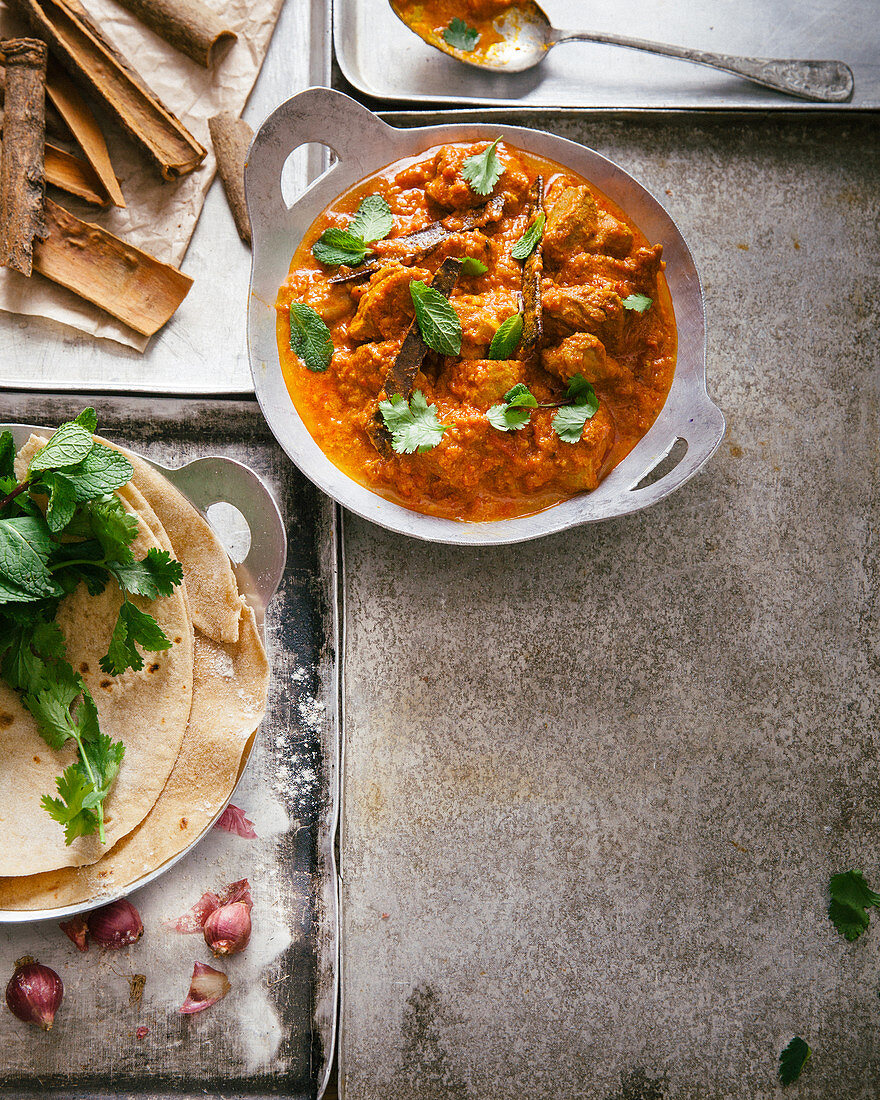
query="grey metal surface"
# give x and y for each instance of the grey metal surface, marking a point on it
(363, 144)
(274, 1033)
(202, 349)
(594, 786)
(380, 57)
(206, 481)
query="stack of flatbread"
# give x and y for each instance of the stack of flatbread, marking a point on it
(186, 719)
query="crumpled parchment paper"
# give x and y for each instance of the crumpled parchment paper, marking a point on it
(160, 216)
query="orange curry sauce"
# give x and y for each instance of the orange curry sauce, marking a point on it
(593, 258)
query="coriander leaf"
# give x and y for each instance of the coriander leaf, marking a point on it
(88, 418)
(569, 422)
(156, 575)
(792, 1060)
(470, 266)
(525, 246)
(133, 627)
(373, 219)
(7, 456)
(460, 36)
(338, 246)
(514, 413)
(62, 500)
(70, 810)
(437, 320)
(520, 394)
(51, 706)
(29, 646)
(413, 424)
(67, 447)
(638, 302)
(851, 897)
(309, 337)
(483, 170)
(25, 548)
(113, 527)
(105, 757)
(506, 339)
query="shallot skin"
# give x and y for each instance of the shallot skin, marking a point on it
(34, 994)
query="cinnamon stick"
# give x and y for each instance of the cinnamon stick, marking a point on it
(73, 175)
(188, 25)
(83, 48)
(125, 281)
(533, 324)
(86, 132)
(232, 138)
(55, 125)
(22, 185)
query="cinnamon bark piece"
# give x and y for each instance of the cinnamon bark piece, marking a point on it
(232, 138)
(402, 375)
(82, 124)
(533, 268)
(125, 281)
(22, 184)
(188, 25)
(55, 125)
(82, 48)
(73, 175)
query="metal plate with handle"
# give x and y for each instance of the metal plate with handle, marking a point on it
(363, 143)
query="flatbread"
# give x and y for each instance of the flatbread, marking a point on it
(147, 710)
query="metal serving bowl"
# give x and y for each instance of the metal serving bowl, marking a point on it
(363, 144)
(213, 479)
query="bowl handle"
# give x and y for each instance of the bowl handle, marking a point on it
(320, 115)
(702, 434)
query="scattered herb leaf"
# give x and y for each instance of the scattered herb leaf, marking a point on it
(792, 1060)
(470, 266)
(460, 36)
(516, 410)
(638, 302)
(569, 422)
(413, 424)
(339, 246)
(309, 337)
(851, 897)
(483, 170)
(527, 243)
(373, 219)
(437, 320)
(506, 339)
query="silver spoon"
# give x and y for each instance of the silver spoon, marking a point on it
(527, 37)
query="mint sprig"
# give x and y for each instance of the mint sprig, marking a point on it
(437, 320)
(507, 337)
(527, 243)
(372, 222)
(309, 337)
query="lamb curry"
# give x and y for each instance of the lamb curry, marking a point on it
(476, 333)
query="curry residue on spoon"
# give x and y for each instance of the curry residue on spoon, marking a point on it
(592, 260)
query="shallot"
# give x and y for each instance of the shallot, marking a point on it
(228, 929)
(34, 993)
(115, 925)
(206, 988)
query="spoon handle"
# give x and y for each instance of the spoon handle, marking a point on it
(821, 81)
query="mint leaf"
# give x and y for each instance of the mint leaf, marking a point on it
(483, 170)
(506, 339)
(133, 627)
(67, 447)
(460, 36)
(792, 1060)
(25, 548)
(851, 897)
(525, 246)
(569, 422)
(413, 424)
(156, 575)
(62, 500)
(7, 456)
(470, 266)
(437, 320)
(309, 337)
(638, 302)
(373, 219)
(88, 419)
(338, 246)
(514, 413)
(100, 472)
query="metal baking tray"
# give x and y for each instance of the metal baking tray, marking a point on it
(275, 1032)
(382, 58)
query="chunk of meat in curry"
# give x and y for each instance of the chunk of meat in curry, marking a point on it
(593, 259)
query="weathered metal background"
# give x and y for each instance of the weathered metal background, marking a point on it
(595, 786)
(273, 1034)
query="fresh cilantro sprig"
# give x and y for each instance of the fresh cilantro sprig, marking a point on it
(470, 266)
(413, 424)
(637, 302)
(569, 422)
(851, 898)
(309, 337)
(82, 533)
(515, 410)
(437, 320)
(460, 36)
(792, 1060)
(483, 170)
(372, 222)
